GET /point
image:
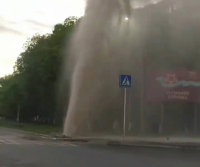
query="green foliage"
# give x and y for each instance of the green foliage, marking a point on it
(36, 71)
(9, 94)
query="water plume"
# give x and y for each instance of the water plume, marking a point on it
(112, 39)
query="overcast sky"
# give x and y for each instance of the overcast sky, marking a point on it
(20, 19)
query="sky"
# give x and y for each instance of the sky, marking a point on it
(21, 19)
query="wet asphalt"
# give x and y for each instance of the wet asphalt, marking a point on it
(54, 154)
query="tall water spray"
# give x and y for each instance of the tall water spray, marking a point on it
(102, 48)
(110, 40)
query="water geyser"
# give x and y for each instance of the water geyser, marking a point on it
(112, 39)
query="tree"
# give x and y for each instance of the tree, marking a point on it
(36, 73)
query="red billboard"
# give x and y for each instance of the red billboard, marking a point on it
(173, 86)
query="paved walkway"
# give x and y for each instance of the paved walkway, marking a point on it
(8, 141)
(14, 137)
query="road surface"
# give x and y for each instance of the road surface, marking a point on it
(17, 151)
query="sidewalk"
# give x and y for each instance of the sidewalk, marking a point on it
(157, 142)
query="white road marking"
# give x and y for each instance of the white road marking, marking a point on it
(4, 142)
(55, 144)
(12, 141)
(69, 144)
(38, 143)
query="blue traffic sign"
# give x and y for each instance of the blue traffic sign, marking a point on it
(125, 81)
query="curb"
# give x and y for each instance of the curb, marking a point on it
(73, 139)
(146, 146)
(134, 144)
(156, 145)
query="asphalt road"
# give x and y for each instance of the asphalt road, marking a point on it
(21, 152)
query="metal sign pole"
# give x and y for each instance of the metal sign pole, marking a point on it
(125, 82)
(124, 113)
(195, 119)
(162, 118)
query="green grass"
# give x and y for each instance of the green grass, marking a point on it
(35, 128)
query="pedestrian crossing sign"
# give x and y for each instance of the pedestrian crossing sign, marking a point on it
(125, 81)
